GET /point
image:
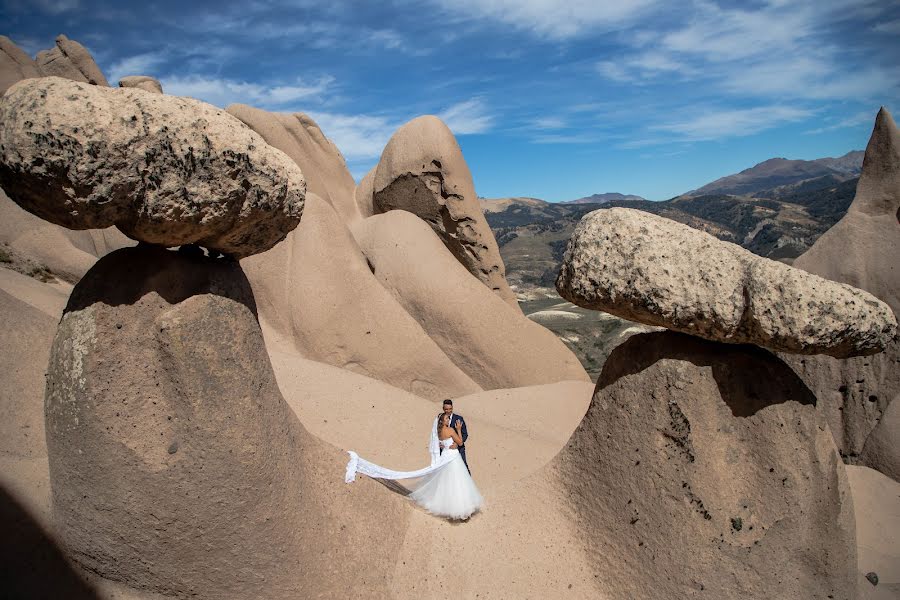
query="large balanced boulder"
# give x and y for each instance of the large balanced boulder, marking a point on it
(163, 169)
(142, 82)
(316, 290)
(298, 136)
(15, 65)
(490, 341)
(176, 466)
(863, 250)
(422, 170)
(650, 269)
(703, 469)
(70, 60)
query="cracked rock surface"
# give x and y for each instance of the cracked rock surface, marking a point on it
(655, 271)
(165, 170)
(716, 450)
(422, 170)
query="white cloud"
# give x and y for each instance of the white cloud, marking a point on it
(548, 123)
(890, 27)
(56, 7)
(358, 137)
(467, 117)
(140, 64)
(860, 118)
(556, 19)
(223, 92)
(711, 124)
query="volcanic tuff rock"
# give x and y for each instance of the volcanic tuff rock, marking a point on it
(717, 450)
(316, 289)
(652, 270)
(15, 65)
(163, 169)
(422, 170)
(882, 448)
(300, 138)
(863, 250)
(70, 60)
(492, 343)
(175, 464)
(142, 82)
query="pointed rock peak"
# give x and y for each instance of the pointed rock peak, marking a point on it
(878, 191)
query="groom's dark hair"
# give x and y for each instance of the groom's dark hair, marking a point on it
(448, 401)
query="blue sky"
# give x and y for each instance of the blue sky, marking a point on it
(554, 99)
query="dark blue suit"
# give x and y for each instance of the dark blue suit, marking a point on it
(463, 433)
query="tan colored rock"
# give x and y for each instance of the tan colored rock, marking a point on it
(24, 335)
(167, 435)
(650, 269)
(863, 250)
(489, 340)
(365, 194)
(70, 60)
(298, 136)
(163, 169)
(876, 504)
(15, 65)
(882, 447)
(141, 82)
(715, 450)
(316, 289)
(422, 171)
(67, 253)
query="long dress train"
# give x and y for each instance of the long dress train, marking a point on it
(445, 489)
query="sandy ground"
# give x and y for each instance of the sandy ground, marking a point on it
(520, 546)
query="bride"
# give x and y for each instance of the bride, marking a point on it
(445, 488)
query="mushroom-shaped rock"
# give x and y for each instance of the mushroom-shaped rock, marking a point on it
(141, 82)
(422, 170)
(298, 136)
(175, 463)
(165, 170)
(71, 60)
(15, 65)
(655, 271)
(716, 449)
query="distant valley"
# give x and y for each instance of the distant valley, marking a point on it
(776, 209)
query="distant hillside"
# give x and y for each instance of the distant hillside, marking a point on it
(780, 173)
(604, 198)
(532, 234)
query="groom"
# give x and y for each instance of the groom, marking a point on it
(454, 419)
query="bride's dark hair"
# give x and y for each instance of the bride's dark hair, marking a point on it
(440, 423)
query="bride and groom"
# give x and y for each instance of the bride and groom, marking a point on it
(445, 488)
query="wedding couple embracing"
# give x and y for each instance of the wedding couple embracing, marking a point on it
(445, 488)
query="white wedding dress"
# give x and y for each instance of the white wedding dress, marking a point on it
(445, 489)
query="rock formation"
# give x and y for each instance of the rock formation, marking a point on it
(142, 82)
(66, 253)
(882, 447)
(163, 169)
(176, 466)
(716, 450)
(365, 194)
(70, 60)
(300, 138)
(422, 170)
(863, 250)
(652, 270)
(15, 65)
(316, 289)
(491, 342)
